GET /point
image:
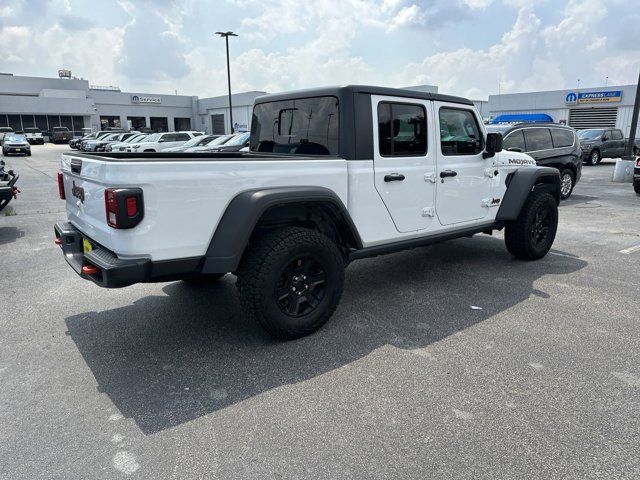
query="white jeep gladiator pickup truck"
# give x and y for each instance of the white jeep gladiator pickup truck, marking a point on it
(332, 175)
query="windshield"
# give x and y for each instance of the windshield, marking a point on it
(151, 138)
(306, 126)
(237, 140)
(15, 138)
(135, 138)
(195, 141)
(220, 140)
(6, 129)
(591, 134)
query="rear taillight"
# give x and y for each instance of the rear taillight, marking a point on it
(111, 207)
(638, 162)
(61, 186)
(124, 207)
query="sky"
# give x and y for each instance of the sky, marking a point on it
(472, 48)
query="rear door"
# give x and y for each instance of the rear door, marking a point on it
(539, 144)
(608, 145)
(617, 139)
(404, 160)
(463, 182)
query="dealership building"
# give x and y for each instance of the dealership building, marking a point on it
(600, 107)
(45, 103)
(70, 102)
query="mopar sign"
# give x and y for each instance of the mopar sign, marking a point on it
(571, 98)
(593, 97)
(144, 99)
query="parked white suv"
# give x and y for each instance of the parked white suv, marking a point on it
(163, 141)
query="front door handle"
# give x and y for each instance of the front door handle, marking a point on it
(448, 173)
(394, 177)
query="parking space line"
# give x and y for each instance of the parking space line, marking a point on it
(629, 250)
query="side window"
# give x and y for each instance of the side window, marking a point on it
(514, 140)
(170, 137)
(181, 137)
(562, 137)
(402, 129)
(537, 139)
(459, 132)
(617, 135)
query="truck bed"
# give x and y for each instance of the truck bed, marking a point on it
(185, 194)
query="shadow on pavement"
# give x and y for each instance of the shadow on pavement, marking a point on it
(10, 234)
(166, 360)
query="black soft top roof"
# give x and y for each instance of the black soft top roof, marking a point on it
(341, 91)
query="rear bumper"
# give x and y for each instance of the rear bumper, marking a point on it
(115, 272)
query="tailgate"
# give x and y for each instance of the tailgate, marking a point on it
(84, 191)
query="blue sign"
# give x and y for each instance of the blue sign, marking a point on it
(593, 97)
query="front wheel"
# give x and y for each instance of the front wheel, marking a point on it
(567, 182)
(290, 281)
(594, 158)
(531, 235)
(636, 188)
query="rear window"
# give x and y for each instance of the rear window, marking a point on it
(402, 129)
(538, 139)
(306, 126)
(32, 130)
(562, 137)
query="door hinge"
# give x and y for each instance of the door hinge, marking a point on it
(428, 212)
(430, 177)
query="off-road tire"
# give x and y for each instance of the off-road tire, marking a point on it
(263, 273)
(203, 279)
(29, 153)
(594, 158)
(519, 235)
(566, 193)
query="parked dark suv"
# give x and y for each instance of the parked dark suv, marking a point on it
(550, 145)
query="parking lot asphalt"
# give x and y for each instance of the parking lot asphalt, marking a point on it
(450, 361)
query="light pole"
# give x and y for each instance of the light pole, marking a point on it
(226, 36)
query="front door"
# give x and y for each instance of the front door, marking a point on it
(464, 184)
(404, 160)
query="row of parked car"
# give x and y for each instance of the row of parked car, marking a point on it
(562, 147)
(189, 141)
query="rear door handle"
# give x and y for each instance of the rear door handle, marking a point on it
(448, 173)
(394, 177)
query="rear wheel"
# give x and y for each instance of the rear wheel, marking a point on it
(290, 281)
(594, 158)
(567, 182)
(531, 235)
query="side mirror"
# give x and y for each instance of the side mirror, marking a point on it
(604, 138)
(494, 145)
(162, 140)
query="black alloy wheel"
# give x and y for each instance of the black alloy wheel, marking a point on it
(301, 286)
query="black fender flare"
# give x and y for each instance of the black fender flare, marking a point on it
(522, 182)
(243, 212)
